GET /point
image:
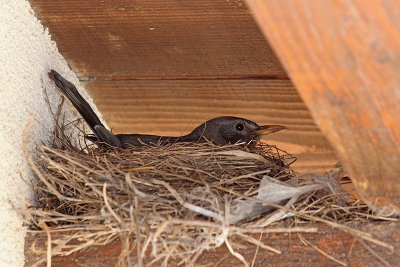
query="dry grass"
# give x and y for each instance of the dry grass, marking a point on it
(180, 200)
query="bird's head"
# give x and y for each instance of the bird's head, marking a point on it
(231, 130)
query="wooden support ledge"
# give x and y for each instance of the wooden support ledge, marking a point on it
(328, 247)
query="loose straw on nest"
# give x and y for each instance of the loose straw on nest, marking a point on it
(179, 200)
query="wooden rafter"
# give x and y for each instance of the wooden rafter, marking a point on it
(344, 58)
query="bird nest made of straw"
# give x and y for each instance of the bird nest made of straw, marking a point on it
(178, 200)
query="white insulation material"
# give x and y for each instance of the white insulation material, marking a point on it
(27, 53)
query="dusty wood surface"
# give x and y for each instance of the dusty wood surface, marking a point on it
(343, 57)
(339, 245)
(147, 39)
(176, 107)
(159, 106)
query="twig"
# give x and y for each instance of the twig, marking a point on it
(108, 204)
(305, 242)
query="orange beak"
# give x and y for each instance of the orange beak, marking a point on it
(267, 129)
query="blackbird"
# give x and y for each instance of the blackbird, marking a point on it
(221, 130)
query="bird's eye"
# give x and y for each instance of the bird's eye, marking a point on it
(239, 127)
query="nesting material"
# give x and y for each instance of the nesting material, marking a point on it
(179, 200)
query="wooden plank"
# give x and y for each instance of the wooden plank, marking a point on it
(337, 244)
(343, 57)
(147, 39)
(177, 107)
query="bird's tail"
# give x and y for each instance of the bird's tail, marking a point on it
(83, 107)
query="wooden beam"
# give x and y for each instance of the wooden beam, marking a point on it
(344, 58)
(158, 39)
(176, 107)
(339, 245)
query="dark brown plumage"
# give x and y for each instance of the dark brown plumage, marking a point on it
(221, 130)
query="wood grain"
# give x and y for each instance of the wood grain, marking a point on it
(176, 107)
(337, 244)
(344, 58)
(202, 59)
(148, 39)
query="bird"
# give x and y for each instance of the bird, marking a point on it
(220, 131)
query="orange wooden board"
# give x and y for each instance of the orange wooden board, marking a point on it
(176, 107)
(125, 39)
(337, 244)
(343, 57)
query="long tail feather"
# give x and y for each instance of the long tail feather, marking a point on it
(83, 107)
(86, 111)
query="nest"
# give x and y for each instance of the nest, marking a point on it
(179, 200)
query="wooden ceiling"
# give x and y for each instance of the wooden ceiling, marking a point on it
(163, 67)
(157, 39)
